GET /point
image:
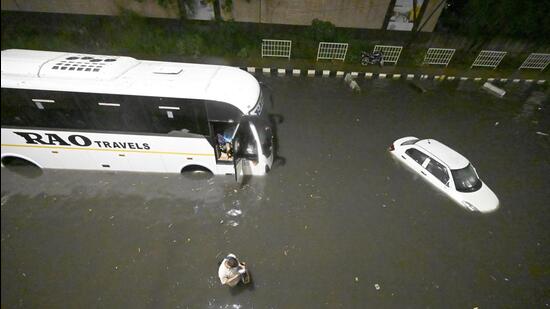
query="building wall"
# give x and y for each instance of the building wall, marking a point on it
(432, 22)
(368, 14)
(148, 8)
(342, 13)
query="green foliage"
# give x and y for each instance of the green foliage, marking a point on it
(243, 53)
(164, 3)
(227, 6)
(132, 34)
(191, 45)
(527, 19)
(322, 31)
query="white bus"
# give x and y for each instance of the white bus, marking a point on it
(96, 112)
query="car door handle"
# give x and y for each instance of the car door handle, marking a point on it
(423, 173)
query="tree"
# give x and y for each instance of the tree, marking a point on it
(527, 19)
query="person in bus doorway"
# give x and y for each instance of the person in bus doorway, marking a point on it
(231, 271)
(224, 142)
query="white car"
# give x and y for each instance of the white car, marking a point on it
(447, 170)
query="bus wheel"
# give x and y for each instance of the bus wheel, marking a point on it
(21, 166)
(196, 172)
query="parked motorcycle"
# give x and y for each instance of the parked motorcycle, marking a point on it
(372, 58)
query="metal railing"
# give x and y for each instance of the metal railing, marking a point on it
(489, 58)
(536, 61)
(391, 53)
(276, 48)
(441, 56)
(330, 50)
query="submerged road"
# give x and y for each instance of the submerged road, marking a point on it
(337, 224)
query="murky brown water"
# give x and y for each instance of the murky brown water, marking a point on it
(337, 220)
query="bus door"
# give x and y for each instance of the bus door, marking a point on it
(252, 148)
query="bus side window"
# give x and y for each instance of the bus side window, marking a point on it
(64, 112)
(113, 112)
(102, 113)
(17, 110)
(134, 115)
(37, 108)
(177, 115)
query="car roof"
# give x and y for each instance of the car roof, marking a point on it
(442, 152)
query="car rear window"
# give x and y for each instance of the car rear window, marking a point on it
(410, 142)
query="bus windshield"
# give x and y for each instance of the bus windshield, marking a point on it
(466, 179)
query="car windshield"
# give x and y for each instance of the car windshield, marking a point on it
(466, 179)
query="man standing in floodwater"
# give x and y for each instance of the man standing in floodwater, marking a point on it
(231, 271)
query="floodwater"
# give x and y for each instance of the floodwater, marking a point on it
(336, 224)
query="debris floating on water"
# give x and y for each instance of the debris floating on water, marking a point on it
(234, 212)
(232, 223)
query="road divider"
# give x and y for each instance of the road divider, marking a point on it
(394, 76)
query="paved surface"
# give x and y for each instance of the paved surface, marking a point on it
(338, 224)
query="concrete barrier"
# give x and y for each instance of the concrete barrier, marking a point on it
(494, 89)
(354, 86)
(416, 86)
(350, 80)
(370, 75)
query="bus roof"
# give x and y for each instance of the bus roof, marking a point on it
(61, 71)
